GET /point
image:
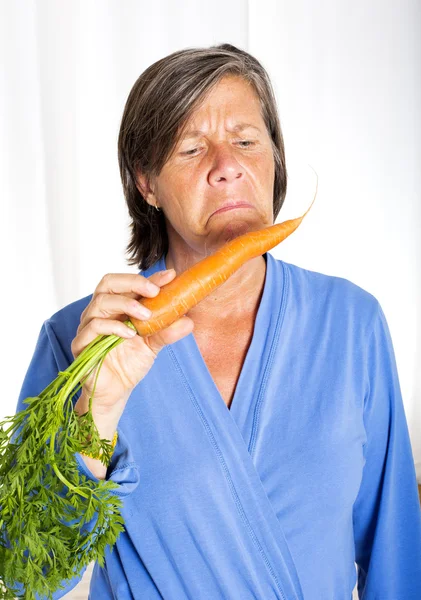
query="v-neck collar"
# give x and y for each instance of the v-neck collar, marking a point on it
(251, 384)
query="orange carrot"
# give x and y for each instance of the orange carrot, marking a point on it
(190, 287)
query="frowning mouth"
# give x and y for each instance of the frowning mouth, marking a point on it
(233, 206)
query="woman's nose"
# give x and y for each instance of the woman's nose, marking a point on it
(225, 167)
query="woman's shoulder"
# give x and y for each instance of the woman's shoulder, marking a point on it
(330, 291)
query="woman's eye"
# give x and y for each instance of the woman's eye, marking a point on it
(189, 152)
(192, 151)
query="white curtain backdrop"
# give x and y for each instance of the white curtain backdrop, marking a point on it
(346, 78)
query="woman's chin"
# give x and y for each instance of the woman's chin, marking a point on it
(235, 228)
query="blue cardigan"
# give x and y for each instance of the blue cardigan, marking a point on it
(308, 472)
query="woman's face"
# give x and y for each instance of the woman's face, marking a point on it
(224, 155)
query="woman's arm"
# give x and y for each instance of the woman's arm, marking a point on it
(387, 515)
(49, 357)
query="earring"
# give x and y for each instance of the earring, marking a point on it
(158, 209)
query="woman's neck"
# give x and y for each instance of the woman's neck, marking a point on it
(237, 298)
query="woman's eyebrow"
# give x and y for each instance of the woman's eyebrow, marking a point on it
(239, 127)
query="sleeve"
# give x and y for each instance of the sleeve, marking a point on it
(48, 358)
(386, 513)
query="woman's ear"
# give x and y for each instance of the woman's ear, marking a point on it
(144, 187)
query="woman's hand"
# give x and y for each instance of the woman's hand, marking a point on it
(115, 300)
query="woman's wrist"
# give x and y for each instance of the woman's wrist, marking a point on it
(106, 420)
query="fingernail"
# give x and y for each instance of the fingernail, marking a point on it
(143, 312)
(152, 287)
(159, 273)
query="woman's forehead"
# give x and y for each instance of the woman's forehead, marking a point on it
(237, 128)
(235, 117)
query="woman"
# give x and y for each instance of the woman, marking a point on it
(262, 441)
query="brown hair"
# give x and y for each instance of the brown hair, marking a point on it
(158, 106)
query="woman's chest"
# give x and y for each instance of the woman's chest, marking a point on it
(224, 354)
